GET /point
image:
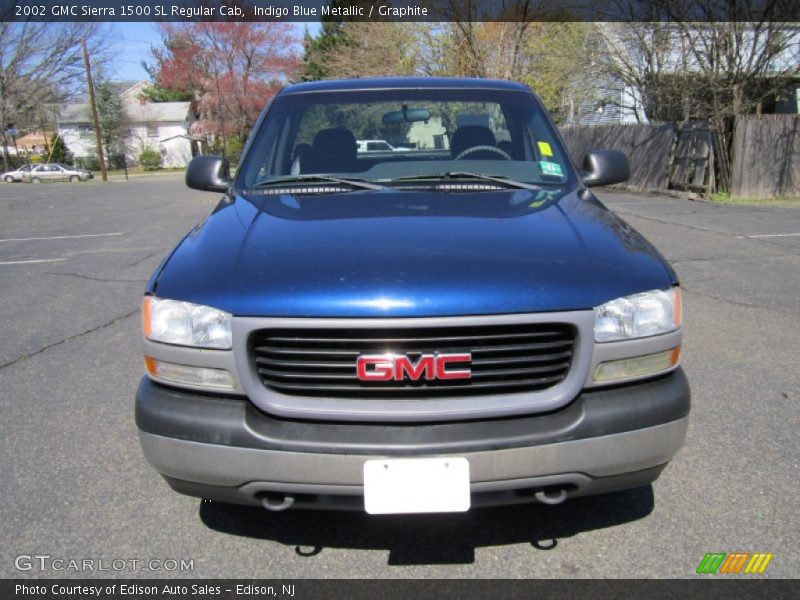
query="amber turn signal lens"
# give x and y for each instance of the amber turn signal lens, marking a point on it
(196, 376)
(637, 366)
(146, 316)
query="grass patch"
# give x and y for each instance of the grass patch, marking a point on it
(785, 201)
(135, 172)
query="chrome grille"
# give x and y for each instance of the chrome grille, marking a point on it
(322, 362)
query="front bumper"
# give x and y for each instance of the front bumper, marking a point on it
(226, 449)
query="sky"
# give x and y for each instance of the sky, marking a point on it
(136, 39)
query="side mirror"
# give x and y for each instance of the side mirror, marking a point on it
(604, 167)
(208, 174)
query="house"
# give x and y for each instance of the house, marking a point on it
(596, 97)
(160, 126)
(34, 143)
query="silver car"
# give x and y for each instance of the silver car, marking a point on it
(56, 172)
(17, 174)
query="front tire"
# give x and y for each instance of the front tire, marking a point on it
(9, 179)
(74, 178)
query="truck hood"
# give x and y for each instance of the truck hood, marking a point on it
(401, 253)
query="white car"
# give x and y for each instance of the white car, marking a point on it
(17, 175)
(56, 172)
(374, 146)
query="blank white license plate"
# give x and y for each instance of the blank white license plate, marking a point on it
(416, 485)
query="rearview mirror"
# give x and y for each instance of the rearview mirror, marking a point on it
(407, 115)
(604, 167)
(208, 174)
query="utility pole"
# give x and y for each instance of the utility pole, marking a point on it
(94, 110)
(44, 134)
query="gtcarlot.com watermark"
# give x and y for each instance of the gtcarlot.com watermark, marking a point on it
(58, 564)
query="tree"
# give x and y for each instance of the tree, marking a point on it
(360, 49)
(678, 68)
(554, 56)
(150, 159)
(487, 39)
(41, 63)
(324, 54)
(112, 120)
(231, 69)
(156, 93)
(330, 41)
(177, 71)
(58, 151)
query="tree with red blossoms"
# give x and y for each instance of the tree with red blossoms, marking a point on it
(229, 69)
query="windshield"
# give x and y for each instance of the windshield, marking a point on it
(395, 137)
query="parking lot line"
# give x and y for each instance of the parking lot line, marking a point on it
(763, 235)
(28, 262)
(61, 237)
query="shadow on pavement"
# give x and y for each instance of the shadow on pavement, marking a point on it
(431, 539)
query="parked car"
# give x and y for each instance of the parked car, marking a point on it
(425, 331)
(56, 172)
(17, 174)
(374, 146)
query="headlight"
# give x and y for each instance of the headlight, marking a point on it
(639, 315)
(185, 324)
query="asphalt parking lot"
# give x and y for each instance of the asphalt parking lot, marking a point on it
(74, 260)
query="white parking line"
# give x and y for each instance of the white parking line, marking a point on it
(61, 237)
(763, 235)
(28, 262)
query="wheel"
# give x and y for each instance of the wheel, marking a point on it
(36, 180)
(492, 149)
(74, 178)
(9, 179)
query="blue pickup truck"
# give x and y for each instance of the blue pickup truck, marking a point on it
(454, 323)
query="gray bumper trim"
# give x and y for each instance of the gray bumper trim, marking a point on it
(228, 466)
(498, 493)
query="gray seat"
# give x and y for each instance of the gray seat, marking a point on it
(469, 136)
(333, 151)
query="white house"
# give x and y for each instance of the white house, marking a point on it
(160, 126)
(596, 97)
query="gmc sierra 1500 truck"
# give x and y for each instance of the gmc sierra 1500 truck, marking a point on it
(454, 323)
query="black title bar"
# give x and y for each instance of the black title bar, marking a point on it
(705, 587)
(399, 10)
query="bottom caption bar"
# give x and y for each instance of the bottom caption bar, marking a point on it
(388, 589)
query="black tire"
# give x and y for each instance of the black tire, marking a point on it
(74, 178)
(9, 179)
(36, 180)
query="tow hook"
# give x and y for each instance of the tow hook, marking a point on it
(546, 497)
(277, 505)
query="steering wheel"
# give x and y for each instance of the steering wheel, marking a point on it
(474, 149)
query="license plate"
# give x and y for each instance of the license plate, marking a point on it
(416, 485)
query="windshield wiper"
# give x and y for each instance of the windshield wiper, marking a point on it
(353, 183)
(478, 176)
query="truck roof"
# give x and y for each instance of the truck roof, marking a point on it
(383, 83)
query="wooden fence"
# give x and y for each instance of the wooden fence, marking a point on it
(766, 155)
(766, 160)
(648, 148)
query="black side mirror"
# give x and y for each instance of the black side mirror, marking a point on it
(604, 167)
(208, 173)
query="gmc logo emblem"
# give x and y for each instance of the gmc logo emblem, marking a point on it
(398, 367)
